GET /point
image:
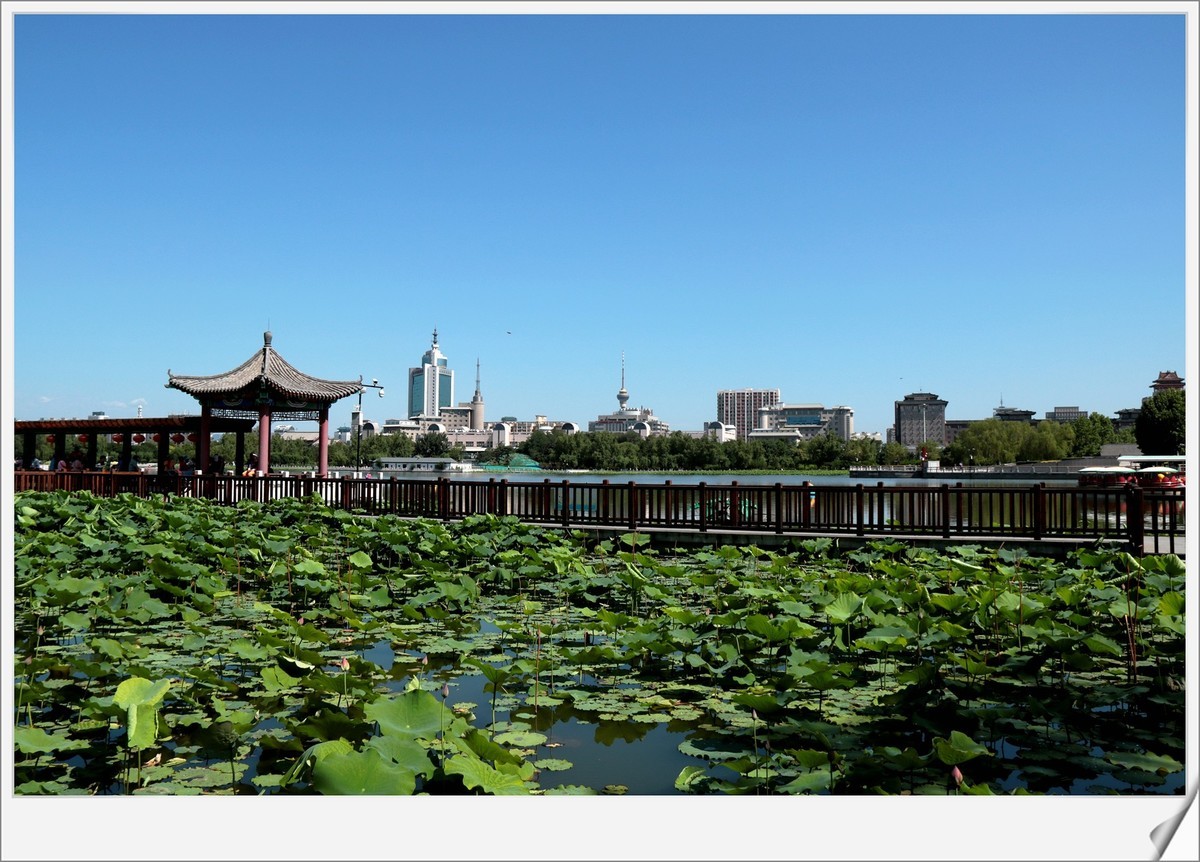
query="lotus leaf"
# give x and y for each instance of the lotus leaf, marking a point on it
(414, 714)
(362, 773)
(35, 740)
(959, 748)
(807, 782)
(1159, 763)
(478, 775)
(521, 738)
(140, 698)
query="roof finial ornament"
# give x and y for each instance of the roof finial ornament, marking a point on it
(267, 338)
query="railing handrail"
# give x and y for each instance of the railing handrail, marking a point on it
(1030, 512)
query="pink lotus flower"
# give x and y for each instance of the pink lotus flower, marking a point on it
(445, 690)
(345, 663)
(957, 775)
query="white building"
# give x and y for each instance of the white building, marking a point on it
(802, 422)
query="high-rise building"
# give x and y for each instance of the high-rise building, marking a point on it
(431, 385)
(739, 408)
(920, 417)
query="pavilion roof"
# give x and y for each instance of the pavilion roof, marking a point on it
(266, 368)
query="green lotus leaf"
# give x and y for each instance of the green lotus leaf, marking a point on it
(140, 698)
(362, 773)
(569, 790)
(478, 775)
(1162, 764)
(807, 782)
(1098, 643)
(294, 667)
(844, 607)
(1171, 604)
(959, 748)
(521, 738)
(312, 754)
(34, 740)
(476, 742)
(360, 560)
(309, 567)
(415, 714)
(553, 764)
(407, 752)
(690, 778)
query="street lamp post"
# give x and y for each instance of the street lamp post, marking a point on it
(374, 384)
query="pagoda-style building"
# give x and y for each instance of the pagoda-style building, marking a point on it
(264, 387)
(1167, 380)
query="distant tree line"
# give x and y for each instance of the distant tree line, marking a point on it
(1160, 430)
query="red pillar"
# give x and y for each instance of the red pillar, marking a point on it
(202, 446)
(264, 439)
(323, 443)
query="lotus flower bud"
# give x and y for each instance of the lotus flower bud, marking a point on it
(445, 690)
(957, 775)
(345, 663)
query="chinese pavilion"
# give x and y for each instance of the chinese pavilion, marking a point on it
(264, 387)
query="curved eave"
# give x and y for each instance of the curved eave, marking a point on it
(266, 369)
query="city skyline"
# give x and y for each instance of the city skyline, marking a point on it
(847, 208)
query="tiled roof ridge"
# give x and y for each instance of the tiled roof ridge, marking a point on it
(268, 368)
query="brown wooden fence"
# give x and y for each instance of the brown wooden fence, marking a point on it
(1147, 519)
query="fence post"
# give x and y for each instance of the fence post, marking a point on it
(1135, 517)
(778, 507)
(566, 508)
(703, 507)
(945, 511)
(808, 500)
(605, 502)
(860, 527)
(1039, 510)
(502, 506)
(633, 502)
(443, 492)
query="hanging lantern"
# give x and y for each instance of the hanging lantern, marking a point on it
(83, 438)
(49, 438)
(156, 438)
(177, 438)
(118, 438)
(194, 437)
(139, 438)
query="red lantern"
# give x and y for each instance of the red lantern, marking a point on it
(177, 438)
(118, 438)
(82, 438)
(49, 438)
(139, 438)
(156, 438)
(194, 437)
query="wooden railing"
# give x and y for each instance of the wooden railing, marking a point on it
(1145, 519)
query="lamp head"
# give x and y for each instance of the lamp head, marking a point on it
(381, 392)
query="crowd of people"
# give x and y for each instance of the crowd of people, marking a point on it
(187, 467)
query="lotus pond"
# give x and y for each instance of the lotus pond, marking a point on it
(184, 648)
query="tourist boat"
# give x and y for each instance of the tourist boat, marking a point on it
(1106, 477)
(1159, 476)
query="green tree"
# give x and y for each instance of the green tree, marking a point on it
(1091, 432)
(1162, 423)
(894, 453)
(432, 445)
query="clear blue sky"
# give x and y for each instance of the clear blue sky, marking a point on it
(847, 208)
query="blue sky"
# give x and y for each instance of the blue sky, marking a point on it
(844, 207)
